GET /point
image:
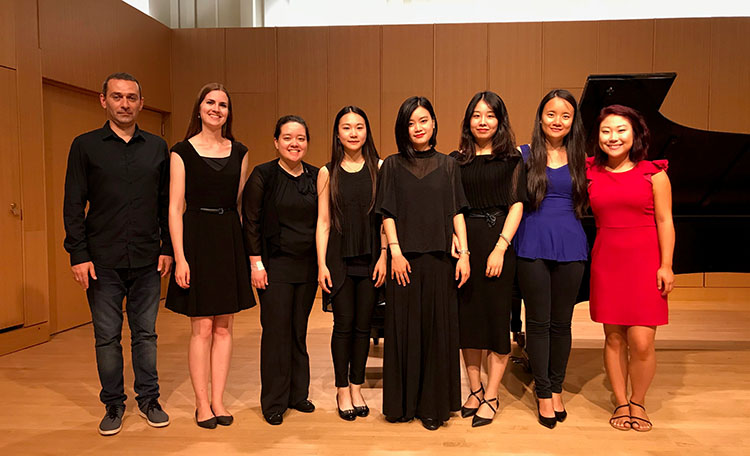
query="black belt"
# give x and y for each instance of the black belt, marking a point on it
(489, 216)
(214, 210)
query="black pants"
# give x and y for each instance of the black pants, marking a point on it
(141, 286)
(350, 340)
(284, 363)
(516, 325)
(549, 291)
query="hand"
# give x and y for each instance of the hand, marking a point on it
(182, 274)
(462, 270)
(665, 280)
(400, 269)
(324, 279)
(165, 265)
(81, 272)
(259, 279)
(454, 246)
(378, 275)
(495, 262)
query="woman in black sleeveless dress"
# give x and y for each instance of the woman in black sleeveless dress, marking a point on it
(421, 198)
(210, 281)
(494, 180)
(351, 254)
(279, 212)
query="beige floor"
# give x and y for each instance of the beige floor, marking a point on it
(699, 401)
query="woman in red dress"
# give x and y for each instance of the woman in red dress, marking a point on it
(631, 263)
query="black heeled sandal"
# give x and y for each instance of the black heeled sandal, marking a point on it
(468, 411)
(481, 421)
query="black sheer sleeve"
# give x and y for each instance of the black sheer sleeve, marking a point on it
(386, 203)
(458, 202)
(252, 210)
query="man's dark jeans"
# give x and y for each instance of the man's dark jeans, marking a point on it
(141, 287)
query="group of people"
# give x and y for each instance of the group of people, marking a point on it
(407, 222)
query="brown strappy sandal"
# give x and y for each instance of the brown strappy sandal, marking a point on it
(627, 425)
(638, 426)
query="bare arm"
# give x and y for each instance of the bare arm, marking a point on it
(400, 267)
(497, 256)
(665, 230)
(462, 247)
(323, 229)
(176, 210)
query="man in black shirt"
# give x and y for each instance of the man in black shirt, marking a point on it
(120, 246)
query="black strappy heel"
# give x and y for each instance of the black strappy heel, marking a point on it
(481, 421)
(467, 411)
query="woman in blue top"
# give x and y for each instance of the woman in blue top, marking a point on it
(551, 245)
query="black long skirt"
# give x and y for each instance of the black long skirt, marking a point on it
(485, 303)
(421, 367)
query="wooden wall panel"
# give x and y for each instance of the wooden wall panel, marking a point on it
(251, 60)
(197, 59)
(302, 58)
(11, 226)
(354, 75)
(727, 280)
(31, 123)
(254, 121)
(569, 54)
(626, 47)
(83, 41)
(515, 72)
(729, 108)
(8, 33)
(683, 46)
(408, 65)
(460, 72)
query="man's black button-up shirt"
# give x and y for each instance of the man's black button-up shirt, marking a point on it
(126, 186)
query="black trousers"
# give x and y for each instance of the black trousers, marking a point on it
(350, 340)
(284, 362)
(549, 291)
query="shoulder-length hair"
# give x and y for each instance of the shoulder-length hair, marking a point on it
(403, 142)
(575, 148)
(641, 133)
(196, 125)
(370, 154)
(503, 142)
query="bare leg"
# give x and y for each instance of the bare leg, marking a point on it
(616, 364)
(497, 364)
(557, 402)
(642, 369)
(199, 363)
(344, 398)
(473, 362)
(356, 395)
(221, 355)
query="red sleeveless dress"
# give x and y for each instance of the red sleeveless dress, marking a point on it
(626, 252)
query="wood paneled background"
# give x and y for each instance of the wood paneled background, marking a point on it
(56, 54)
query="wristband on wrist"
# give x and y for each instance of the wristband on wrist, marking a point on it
(502, 236)
(258, 266)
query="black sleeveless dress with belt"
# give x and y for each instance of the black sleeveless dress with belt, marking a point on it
(212, 237)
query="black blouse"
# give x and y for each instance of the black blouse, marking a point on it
(279, 216)
(422, 195)
(493, 183)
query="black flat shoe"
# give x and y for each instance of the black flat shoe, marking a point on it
(347, 415)
(560, 416)
(223, 420)
(481, 421)
(467, 411)
(548, 422)
(274, 419)
(206, 424)
(398, 419)
(304, 406)
(362, 410)
(431, 424)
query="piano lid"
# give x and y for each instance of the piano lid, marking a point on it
(709, 172)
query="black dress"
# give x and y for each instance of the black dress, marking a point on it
(421, 368)
(212, 237)
(491, 186)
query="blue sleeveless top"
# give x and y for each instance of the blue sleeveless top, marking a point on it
(552, 232)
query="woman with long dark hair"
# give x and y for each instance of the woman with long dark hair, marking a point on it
(209, 284)
(421, 198)
(551, 245)
(280, 210)
(351, 254)
(631, 263)
(494, 180)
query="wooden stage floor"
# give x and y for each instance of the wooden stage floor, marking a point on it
(699, 401)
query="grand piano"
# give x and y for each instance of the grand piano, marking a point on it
(709, 172)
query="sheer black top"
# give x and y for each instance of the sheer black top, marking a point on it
(422, 195)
